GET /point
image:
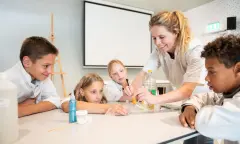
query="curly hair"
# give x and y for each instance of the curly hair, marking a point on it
(85, 82)
(225, 48)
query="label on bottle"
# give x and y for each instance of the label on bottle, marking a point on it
(72, 111)
(152, 106)
(4, 102)
(153, 92)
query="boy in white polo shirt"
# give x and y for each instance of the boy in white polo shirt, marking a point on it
(36, 92)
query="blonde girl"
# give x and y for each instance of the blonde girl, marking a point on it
(113, 90)
(89, 95)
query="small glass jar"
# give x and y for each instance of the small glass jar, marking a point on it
(82, 116)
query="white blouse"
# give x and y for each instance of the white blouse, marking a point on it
(186, 67)
(113, 91)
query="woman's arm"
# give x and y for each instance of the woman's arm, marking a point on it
(153, 63)
(184, 92)
(125, 97)
(136, 84)
(138, 81)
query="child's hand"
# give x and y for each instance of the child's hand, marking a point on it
(144, 94)
(187, 118)
(129, 91)
(116, 109)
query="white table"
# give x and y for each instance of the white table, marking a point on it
(147, 128)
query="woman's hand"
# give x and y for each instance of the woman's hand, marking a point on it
(144, 95)
(129, 91)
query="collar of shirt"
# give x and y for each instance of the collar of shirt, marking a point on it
(118, 86)
(27, 77)
(230, 95)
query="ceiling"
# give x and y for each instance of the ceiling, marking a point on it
(158, 5)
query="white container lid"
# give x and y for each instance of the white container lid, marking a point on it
(81, 112)
(6, 84)
(3, 76)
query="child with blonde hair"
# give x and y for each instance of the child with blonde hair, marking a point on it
(114, 89)
(89, 96)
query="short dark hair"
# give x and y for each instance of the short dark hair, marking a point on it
(225, 48)
(36, 47)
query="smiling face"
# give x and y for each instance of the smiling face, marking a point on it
(41, 68)
(163, 39)
(221, 79)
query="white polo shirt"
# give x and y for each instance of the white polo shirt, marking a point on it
(187, 67)
(41, 90)
(113, 91)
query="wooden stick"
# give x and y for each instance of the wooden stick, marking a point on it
(58, 61)
(52, 41)
(61, 74)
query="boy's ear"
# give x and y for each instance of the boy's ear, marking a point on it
(26, 61)
(81, 92)
(237, 69)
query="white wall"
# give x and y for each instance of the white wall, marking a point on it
(24, 18)
(217, 10)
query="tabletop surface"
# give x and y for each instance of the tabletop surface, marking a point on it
(145, 128)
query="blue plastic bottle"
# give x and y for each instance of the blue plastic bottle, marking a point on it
(72, 109)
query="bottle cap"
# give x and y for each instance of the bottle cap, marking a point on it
(72, 97)
(149, 71)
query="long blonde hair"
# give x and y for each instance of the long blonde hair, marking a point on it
(176, 23)
(110, 64)
(85, 82)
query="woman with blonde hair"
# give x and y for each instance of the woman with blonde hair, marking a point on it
(89, 96)
(178, 54)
